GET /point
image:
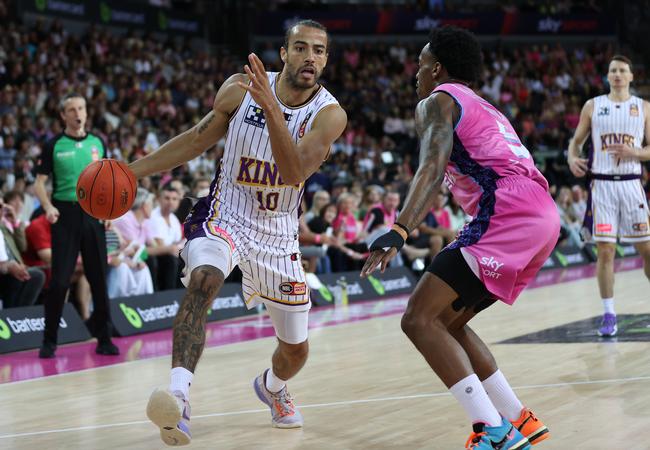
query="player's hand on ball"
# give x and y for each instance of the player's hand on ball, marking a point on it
(383, 249)
(52, 214)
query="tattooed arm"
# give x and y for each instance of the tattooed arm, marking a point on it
(434, 122)
(199, 138)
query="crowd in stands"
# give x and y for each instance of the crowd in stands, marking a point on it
(141, 92)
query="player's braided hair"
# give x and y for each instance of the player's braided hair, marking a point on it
(458, 51)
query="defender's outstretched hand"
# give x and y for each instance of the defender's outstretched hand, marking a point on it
(383, 249)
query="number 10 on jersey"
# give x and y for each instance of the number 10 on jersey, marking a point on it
(267, 201)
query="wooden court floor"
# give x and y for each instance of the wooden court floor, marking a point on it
(364, 387)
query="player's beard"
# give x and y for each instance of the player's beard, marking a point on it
(293, 77)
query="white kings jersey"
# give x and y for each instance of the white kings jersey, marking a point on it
(615, 123)
(249, 189)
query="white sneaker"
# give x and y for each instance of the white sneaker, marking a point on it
(170, 412)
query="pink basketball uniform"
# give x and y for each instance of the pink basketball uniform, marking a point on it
(493, 177)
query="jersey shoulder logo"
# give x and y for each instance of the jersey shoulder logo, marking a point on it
(303, 125)
(634, 110)
(604, 111)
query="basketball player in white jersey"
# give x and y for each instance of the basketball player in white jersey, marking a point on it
(279, 128)
(618, 123)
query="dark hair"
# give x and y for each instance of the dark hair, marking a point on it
(458, 51)
(623, 59)
(305, 23)
(169, 188)
(67, 97)
(11, 195)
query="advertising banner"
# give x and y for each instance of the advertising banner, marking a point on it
(405, 22)
(22, 328)
(568, 256)
(153, 312)
(117, 13)
(395, 281)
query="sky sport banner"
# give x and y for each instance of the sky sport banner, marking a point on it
(117, 13)
(395, 281)
(153, 312)
(414, 23)
(22, 328)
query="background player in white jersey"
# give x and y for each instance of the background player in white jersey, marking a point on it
(618, 123)
(279, 129)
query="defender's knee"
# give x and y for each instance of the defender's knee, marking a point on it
(414, 325)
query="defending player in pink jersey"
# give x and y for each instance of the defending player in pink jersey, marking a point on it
(470, 145)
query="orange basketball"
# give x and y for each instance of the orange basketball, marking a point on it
(106, 189)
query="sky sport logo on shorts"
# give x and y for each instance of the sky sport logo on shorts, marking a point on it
(491, 267)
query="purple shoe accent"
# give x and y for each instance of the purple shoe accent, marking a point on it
(284, 413)
(608, 327)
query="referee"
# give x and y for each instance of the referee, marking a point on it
(64, 157)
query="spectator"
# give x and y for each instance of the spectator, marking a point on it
(165, 230)
(19, 285)
(318, 202)
(130, 275)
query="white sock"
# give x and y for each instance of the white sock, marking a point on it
(608, 305)
(472, 396)
(273, 383)
(181, 380)
(502, 396)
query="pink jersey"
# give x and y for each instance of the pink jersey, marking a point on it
(485, 149)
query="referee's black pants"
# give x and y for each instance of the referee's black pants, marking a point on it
(74, 231)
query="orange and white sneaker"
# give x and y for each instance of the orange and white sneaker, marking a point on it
(531, 427)
(284, 413)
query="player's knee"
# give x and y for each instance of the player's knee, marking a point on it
(207, 280)
(414, 325)
(606, 252)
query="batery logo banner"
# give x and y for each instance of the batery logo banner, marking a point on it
(395, 281)
(144, 313)
(22, 328)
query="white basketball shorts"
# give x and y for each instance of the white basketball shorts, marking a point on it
(620, 209)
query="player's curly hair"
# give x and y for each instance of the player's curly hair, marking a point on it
(458, 51)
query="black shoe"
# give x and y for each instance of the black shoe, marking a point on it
(106, 347)
(48, 350)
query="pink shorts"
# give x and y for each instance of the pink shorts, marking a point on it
(507, 246)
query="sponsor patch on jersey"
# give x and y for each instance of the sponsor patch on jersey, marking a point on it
(303, 126)
(603, 111)
(634, 110)
(641, 226)
(95, 153)
(255, 116)
(603, 228)
(293, 288)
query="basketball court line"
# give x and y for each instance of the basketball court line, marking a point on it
(328, 405)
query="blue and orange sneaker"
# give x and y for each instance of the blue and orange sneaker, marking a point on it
(170, 412)
(531, 427)
(503, 437)
(284, 413)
